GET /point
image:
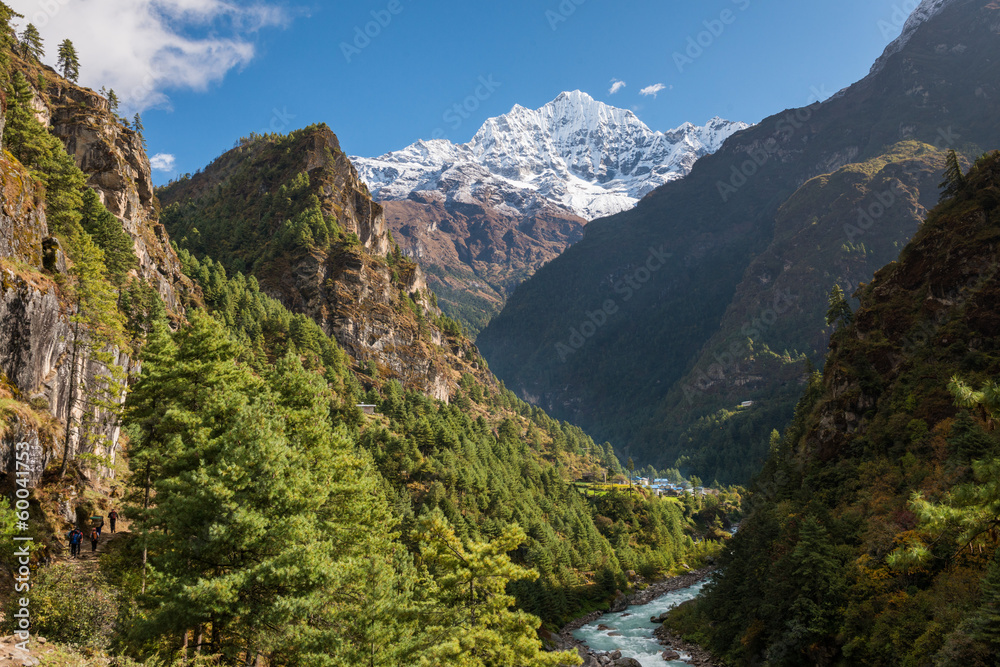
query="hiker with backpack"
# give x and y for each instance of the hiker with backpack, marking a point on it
(113, 517)
(95, 535)
(75, 537)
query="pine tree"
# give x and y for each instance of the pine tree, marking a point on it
(139, 127)
(986, 620)
(816, 578)
(98, 338)
(986, 400)
(468, 616)
(970, 513)
(113, 101)
(840, 310)
(263, 526)
(110, 236)
(32, 43)
(68, 62)
(8, 38)
(23, 134)
(29, 141)
(142, 306)
(145, 411)
(954, 176)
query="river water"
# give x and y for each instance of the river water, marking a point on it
(635, 632)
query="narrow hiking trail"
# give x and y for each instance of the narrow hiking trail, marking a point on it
(88, 560)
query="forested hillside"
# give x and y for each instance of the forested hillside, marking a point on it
(872, 537)
(775, 328)
(630, 332)
(291, 211)
(267, 518)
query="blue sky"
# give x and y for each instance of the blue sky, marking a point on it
(210, 71)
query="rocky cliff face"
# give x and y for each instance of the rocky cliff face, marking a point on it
(114, 159)
(36, 333)
(474, 253)
(293, 212)
(36, 338)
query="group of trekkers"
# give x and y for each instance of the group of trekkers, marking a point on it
(75, 536)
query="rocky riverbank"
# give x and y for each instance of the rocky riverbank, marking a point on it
(564, 640)
(653, 591)
(699, 656)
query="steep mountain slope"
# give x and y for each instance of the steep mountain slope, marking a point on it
(614, 325)
(474, 255)
(291, 211)
(837, 228)
(47, 362)
(483, 216)
(840, 561)
(113, 157)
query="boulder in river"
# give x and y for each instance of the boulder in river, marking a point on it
(628, 662)
(671, 654)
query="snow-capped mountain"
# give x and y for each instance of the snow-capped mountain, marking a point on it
(575, 153)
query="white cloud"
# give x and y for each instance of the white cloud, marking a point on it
(652, 90)
(163, 162)
(616, 85)
(143, 48)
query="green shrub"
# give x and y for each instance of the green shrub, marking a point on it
(71, 606)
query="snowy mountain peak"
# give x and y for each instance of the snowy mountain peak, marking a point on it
(574, 153)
